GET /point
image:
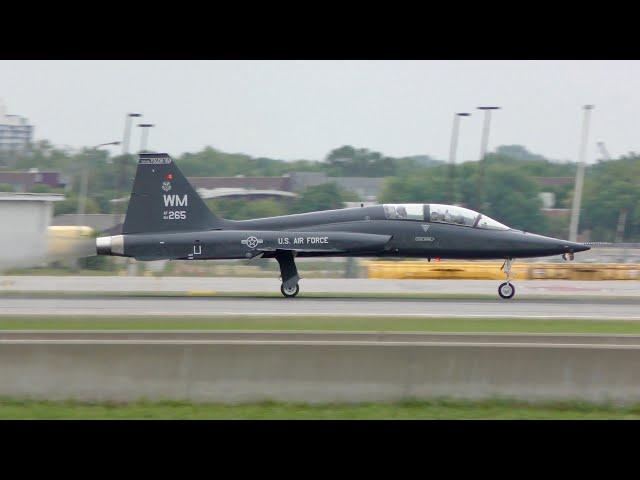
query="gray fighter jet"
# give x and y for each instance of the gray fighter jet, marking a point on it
(166, 219)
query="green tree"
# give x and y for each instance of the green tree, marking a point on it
(327, 196)
(429, 187)
(513, 199)
(241, 209)
(611, 187)
(210, 162)
(360, 162)
(41, 188)
(70, 205)
(511, 184)
(519, 152)
(557, 227)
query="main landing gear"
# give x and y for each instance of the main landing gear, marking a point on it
(290, 291)
(506, 290)
(289, 273)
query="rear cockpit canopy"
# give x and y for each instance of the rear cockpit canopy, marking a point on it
(437, 213)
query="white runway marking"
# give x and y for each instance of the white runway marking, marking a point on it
(320, 342)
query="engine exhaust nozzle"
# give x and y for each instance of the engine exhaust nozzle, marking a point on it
(110, 245)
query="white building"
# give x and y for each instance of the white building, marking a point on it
(15, 132)
(25, 218)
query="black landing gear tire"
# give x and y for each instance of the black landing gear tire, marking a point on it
(291, 291)
(506, 290)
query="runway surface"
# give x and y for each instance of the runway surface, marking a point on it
(627, 309)
(175, 336)
(221, 285)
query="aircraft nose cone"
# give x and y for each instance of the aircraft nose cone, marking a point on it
(571, 247)
(579, 247)
(539, 245)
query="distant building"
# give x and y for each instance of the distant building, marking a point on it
(554, 181)
(246, 193)
(367, 189)
(25, 218)
(548, 199)
(24, 181)
(15, 132)
(556, 212)
(251, 183)
(243, 187)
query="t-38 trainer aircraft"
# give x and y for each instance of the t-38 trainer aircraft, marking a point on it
(166, 219)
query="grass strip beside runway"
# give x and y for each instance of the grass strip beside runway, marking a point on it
(328, 323)
(437, 409)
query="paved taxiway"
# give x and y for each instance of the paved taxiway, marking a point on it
(240, 285)
(244, 336)
(627, 309)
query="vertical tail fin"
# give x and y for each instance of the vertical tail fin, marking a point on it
(163, 200)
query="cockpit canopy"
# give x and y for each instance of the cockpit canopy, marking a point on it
(434, 212)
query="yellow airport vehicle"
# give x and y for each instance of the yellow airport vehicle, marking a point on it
(492, 270)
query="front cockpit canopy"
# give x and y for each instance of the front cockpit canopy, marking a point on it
(434, 212)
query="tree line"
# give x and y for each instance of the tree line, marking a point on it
(509, 182)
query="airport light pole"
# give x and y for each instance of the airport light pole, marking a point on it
(127, 132)
(132, 267)
(577, 191)
(452, 154)
(126, 138)
(84, 181)
(144, 139)
(483, 153)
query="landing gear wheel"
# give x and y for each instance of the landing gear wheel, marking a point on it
(506, 290)
(290, 292)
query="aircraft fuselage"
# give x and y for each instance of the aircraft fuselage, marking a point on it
(348, 232)
(167, 219)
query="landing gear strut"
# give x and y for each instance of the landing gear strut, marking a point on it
(506, 290)
(289, 273)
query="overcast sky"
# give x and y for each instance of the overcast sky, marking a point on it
(303, 109)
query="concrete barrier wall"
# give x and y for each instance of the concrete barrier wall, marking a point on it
(315, 372)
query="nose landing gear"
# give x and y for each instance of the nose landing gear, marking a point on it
(506, 290)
